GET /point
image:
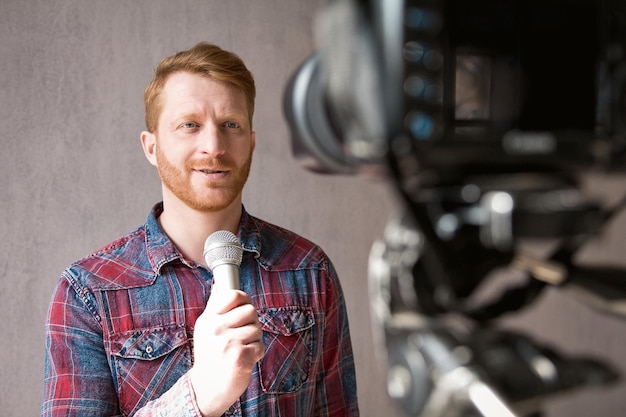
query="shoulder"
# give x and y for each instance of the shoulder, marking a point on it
(280, 248)
(122, 263)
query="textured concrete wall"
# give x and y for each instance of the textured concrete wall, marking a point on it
(72, 74)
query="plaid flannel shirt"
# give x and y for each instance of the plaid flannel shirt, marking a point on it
(120, 326)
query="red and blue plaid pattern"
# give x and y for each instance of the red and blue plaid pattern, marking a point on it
(120, 325)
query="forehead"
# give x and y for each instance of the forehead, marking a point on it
(183, 90)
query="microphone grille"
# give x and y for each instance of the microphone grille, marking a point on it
(222, 247)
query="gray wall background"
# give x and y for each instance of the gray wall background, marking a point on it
(72, 74)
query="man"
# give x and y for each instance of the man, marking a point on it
(134, 328)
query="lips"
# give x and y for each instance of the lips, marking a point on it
(212, 171)
(213, 174)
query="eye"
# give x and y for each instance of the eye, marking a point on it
(189, 125)
(231, 125)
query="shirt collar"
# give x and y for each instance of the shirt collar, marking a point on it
(160, 249)
(249, 234)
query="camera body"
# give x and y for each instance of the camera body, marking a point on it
(477, 86)
(490, 86)
(484, 115)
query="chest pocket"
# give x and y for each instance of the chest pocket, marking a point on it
(287, 335)
(147, 362)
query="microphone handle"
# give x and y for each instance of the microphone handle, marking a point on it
(226, 276)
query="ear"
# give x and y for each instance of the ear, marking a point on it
(253, 140)
(148, 143)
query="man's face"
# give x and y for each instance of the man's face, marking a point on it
(203, 145)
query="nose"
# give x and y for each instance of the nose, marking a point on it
(211, 141)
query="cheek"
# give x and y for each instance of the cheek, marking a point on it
(173, 155)
(165, 160)
(244, 153)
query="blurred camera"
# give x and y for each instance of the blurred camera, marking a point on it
(484, 115)
(475, 86)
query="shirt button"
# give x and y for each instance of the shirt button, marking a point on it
(149, 349)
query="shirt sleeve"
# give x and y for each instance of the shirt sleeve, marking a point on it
(337, 393)
(177, 401)
(78, 379)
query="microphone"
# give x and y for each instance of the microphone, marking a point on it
(223, 253)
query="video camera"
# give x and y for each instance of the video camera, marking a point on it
(484, 115)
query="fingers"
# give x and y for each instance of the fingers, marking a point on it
(246, 343)
(232, 312)
(238, 318)
(221, 302)
(248, 334)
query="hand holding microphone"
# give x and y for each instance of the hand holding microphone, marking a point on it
(227, 337)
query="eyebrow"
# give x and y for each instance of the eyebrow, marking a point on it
(186, 115)
(235, 115)
(181, 117)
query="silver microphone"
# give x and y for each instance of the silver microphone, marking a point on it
(223, 253)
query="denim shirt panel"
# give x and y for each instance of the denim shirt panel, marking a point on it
(147, 320)
(148, 298)
(278, 249)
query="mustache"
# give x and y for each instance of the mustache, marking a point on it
(212, 163)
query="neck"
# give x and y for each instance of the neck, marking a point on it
(188, 228)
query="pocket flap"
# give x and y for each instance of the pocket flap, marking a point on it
(149, 343)
(286, 320)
